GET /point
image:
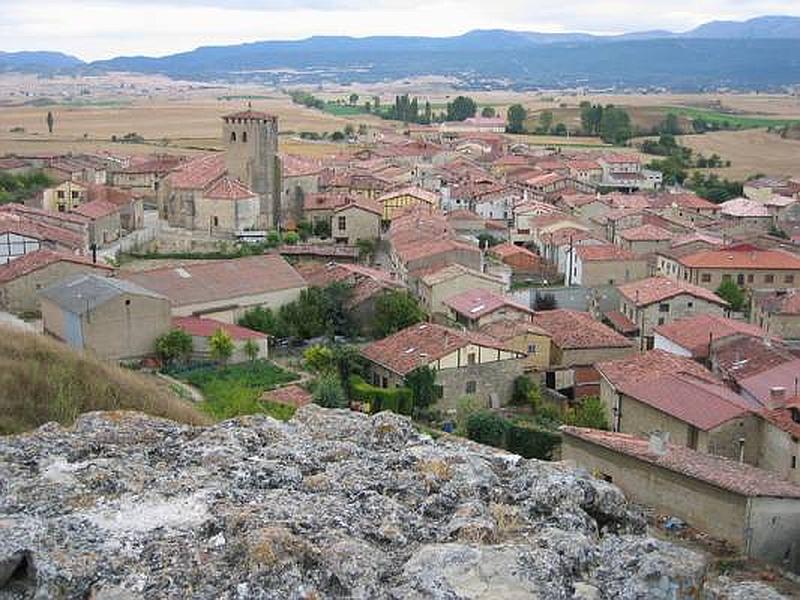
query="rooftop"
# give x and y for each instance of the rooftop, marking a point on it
(697, 332)
(603, 252)
(572, 329)
(475, 303)
(423, 344)
(720, 472)
(33, 261)
(82, 293)
(649, 366)
(217, 280)
(646, 233)
(449, 272)
(204, 327)
(228, 188)
(656, 289)
(96, 209)
(741, 257)
(416, 192)
(198, 173)
(744, 207)
(293, 395)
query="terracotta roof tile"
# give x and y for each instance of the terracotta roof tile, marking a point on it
(646, 233)
(604, 252)
(476, 303)
(649, 366)
(293, 395)
(655, 289)
(572, 329)
(198, 173)
(228, 188)
(738, 257)
(33, 261)
(204, 327)
(96, 209)
(720, 472)
(694, 333)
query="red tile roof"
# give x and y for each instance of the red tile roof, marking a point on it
(572, 329)
(109, 194)
(19, 223)
(416, 192)
(694, 333)
(293, 395)
(96, 209)
(700, 403)
(507, 329)
(228, 188)
(619, 158)
(648, 366)
(364, 204)
(604, 252)
(203, 327)
(508, 249)
(646, 233)
(476, 303)
(743, 207)
(655, 289)
(760, 385)
(218, 280)
(781, 417)
(198, 173)
(423, 344)
(685, 200)
(720, 472)
(620, 322)
(33, 261)
(441, 274)
(742, 357)
(741, 257)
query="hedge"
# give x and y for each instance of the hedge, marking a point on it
(531, 442)
(399, 400)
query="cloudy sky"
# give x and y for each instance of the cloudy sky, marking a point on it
(92, 29)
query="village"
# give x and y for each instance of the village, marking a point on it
(559, 303)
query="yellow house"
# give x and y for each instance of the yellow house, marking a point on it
(524, 337)
(395, 202)
(64, 197)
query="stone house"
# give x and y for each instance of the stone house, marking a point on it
(465, 363)
(578, 342)
(746, 265)
(355, 221)
(755, 510)
(201, 329)
(658, 391)
(64, 197)
(22, 232)
(777, 312)
(110, 318)
(131, 208)
(434, 287)
(105, 225)
(655, 301)
(398, 201)
(645, 239)
(524, 337)
(694, 336)
(607, 264)
(226, 207)
(477, 307)
(21, 279)
(144, 175)
(741, 214)
(224, 289)
(780, 446)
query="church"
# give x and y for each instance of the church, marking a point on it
(224, 193)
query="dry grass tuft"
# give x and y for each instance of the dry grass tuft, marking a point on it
(42, 380)
(507, 518)
(439, 469)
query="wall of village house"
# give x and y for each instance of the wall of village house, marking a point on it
(71, 195)
(747, 224)
(105, 230)
(295, 188)
(396, 205)
(776, 452)
(775, 531)
(468, 258)
(662, 343)
(601, 272)
(359, 225)
(225, 216)
(433, 296)
(724, 439)
(21, 294)
(539, 359)
(721, 513)
(588, 356)
(681, 306)
(491, 380)
(645, 246)
(126, 327)
(785, 326)
(711, 279)
(228, 310)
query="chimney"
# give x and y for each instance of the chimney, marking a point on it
(659, 443)
(777, 397)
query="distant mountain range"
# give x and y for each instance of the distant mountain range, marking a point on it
(762, 53)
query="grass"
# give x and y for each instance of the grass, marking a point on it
(42, 380)
(236, 390)
(729, 121)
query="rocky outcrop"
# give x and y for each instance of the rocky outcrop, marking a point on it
(332, 504)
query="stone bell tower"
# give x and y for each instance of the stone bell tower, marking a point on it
(250, 139)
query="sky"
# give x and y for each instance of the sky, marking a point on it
(97, 29)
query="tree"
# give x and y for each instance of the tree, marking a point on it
(488, 112)
(174, 346)
(395, 310)
(328, 392)
(422, 383)
(671, 125)
(516, 117)
(545, 121)
(591, 412)
(251, 350)
(487, 427)
(349, 130)
(337, 136)
(461, 108)
(261, 319)
(522, 387)
(319, 359)
(561, 130)
(220, 345)
(291, 238)
(732, 294)
(322, 228)
(465, 408)
(50, 121)
(591, 116)
(353, 99)
(615, 126)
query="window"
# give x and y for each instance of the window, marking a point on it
(794, 462)
(788, 279)
(531, 348)
(690, 304)
(750, 278)
(233, 136)
(74, 195)
(60, 194)
(705, 277)
(726, 277)
(215, 221)
(127, 302)
(384, 382)
(244, 137)
(610, 282)
(471, 358)
(471, 387)
(769, 278)
(663, 307)
(342, 223)
(740, 279)
(62, 208)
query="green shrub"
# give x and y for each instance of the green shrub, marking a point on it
(399, 400)
(487, 427)
(328, 392)
(591, 412)
(531, 442)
